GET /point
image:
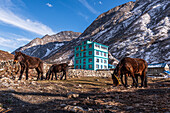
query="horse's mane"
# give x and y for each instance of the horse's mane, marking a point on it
(24, 55)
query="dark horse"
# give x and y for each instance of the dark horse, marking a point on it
(28, 62)
(56, 68)
(131, 67)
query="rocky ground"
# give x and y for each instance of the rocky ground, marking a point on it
(84, 94)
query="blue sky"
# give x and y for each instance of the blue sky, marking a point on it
(23, 20)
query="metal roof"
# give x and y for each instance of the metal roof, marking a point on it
(168, 72)
(157, 65)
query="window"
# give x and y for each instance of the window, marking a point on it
(105, 61)
(105, 54)
(84, 54)
(85, 42)
(80, 61)
(97, 46)
(101, 66)
(103, 47)
(77, 61)
(80, 54)
(77, 55)
(90, 59)
(80, 66)
(97, 52)
(77, 48)
(90, 66)
(77, 67)
(97, 60)
(84, 48)
(101, 53)
(101, 60)
(84, 60)
(105, 67)
(84, 66)
(90, 52)
(90, 45)
(97, 66)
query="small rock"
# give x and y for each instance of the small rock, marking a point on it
(74, 108)
(108, 106)
(97, 80)
(79, 85)
(90, 109)
(62, 105)
(129, 107)
(72, 95)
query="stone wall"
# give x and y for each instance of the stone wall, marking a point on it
(85, 73)
(8, 69)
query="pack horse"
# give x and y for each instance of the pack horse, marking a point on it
(57, 68)
(28, 62)
(133, 67)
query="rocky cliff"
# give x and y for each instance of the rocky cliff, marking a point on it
(42, 47)
(135, 29)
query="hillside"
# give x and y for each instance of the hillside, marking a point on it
(135, 29)
(42, 47)
(5, 56)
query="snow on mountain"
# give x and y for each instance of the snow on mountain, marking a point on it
(136, 29)
(43, 47)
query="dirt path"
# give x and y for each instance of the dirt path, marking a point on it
(90, 94)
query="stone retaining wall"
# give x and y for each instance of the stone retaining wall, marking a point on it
(8, 69)
(85, 73)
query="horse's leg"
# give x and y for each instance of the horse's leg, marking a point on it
(126, 78)
(66, 74)
(41, 69)
(52, 75)
(144, 79)
(27, 73)
(48, 78)
(121, 76)
(134, 79)
(56, 76)
(22, 70)
(38, 73)
(62, 75)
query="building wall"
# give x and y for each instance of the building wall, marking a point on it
(155, 71)
(94, 51)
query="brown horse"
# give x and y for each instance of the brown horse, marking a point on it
(28, 62)
(131, 67)
(56, 68)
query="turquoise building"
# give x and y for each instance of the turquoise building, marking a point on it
(91, 56)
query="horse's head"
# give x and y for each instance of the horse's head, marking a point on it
(115, 76)
(117, 70)
(18, 57)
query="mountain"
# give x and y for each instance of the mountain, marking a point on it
(136, 29)
(5, 56)
(42, 47)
